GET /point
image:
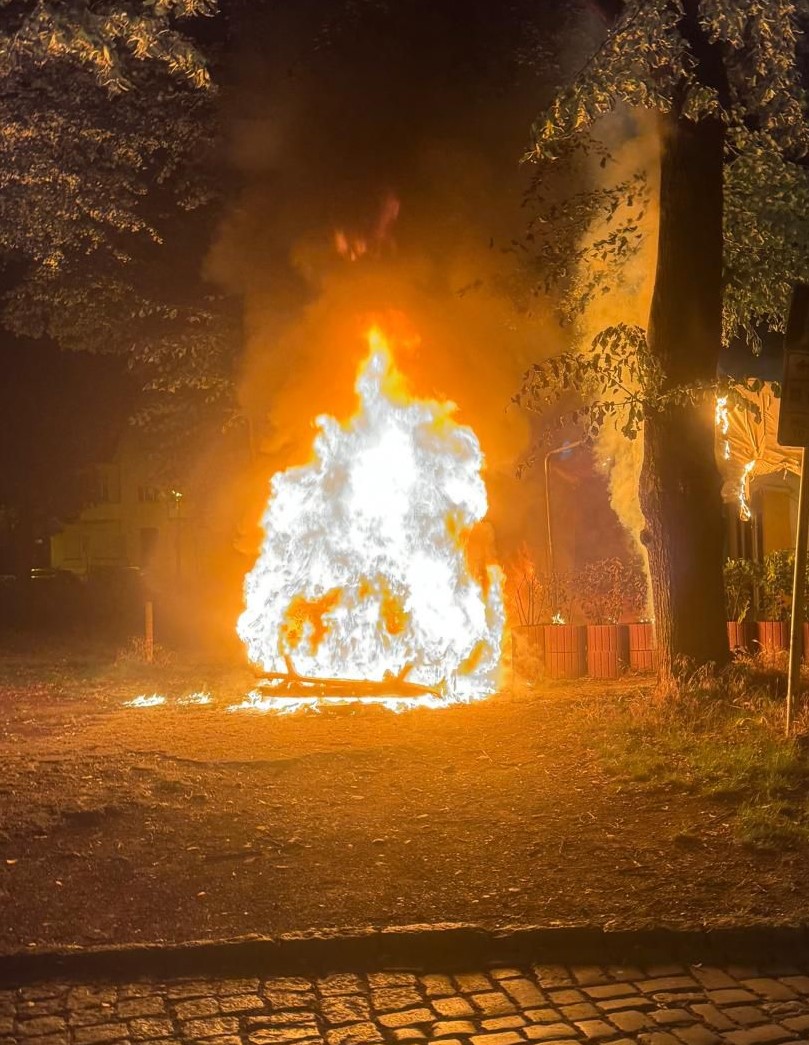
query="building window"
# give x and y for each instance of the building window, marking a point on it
(107, 485)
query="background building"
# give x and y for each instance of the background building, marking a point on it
(128, 522)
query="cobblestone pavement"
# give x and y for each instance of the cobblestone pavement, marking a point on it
(671, 1005)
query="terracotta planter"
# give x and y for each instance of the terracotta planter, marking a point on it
(642, 647)
(741, 635)
(565, 651)
(607, 650)
(528, 650)
(772, 636)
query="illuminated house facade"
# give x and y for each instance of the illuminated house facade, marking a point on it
(128, 523)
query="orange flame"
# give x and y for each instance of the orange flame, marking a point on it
(365, 571)
(353, 247)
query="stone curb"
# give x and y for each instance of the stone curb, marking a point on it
(445, 947)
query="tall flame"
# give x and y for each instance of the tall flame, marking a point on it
(365, 571)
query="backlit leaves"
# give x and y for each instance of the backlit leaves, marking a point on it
(646, 61)
(640, 62)
(83, 163)
(766, 233)
(108, 131)
(562, 249)
(620, 381)
(104, 37)
(77, 155)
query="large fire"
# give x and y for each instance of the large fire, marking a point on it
(367, 570)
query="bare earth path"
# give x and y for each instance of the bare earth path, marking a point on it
(175, 823)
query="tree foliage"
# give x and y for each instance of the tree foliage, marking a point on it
(558, 243)
(650, 60)
(620, 380)
(647, 61)
(75, 176)
(77, 164)
(109, 132)
(108, 38)
(608, 590)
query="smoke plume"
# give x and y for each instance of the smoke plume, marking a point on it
(634, 147)
(380, 178)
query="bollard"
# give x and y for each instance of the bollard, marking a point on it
(148, 622)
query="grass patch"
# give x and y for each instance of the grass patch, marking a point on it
(777, 825)
(719, 735)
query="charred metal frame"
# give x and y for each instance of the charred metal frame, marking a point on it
(290, 683)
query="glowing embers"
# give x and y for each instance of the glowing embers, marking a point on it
(365, 572)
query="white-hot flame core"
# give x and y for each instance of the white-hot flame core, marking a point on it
(364, 572)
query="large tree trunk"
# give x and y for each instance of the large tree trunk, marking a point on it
(680, 484)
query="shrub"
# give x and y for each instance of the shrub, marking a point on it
(609, 589)
(527, 590)
(560, 586)
(535, 597)
(776, 585)
(741, 578)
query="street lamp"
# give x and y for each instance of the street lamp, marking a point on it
(548, 456)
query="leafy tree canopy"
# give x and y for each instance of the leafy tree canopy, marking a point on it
(739, 64)
(653, 58)
(109, 127)
(107, 37)
(100, 102)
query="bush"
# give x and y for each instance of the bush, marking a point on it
(562, 598)
(527, 590)
(772, 578)
(535, 597)
(776, 585)
(609, 589)
(741, 579)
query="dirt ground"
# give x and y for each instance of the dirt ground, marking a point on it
(122, 824)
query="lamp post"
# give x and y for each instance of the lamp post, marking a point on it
(793, 430)
(177, 496)
(551, 453)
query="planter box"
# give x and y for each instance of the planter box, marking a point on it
(607, 650)
(742, 635)
(772, 636)
(528, 650)
(565, 651)
(642, 647)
